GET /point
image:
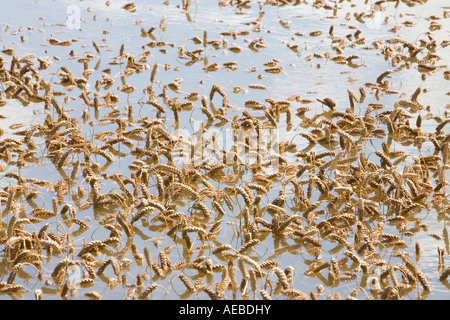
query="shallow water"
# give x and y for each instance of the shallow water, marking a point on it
(308, 72)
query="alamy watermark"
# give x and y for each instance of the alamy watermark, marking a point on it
(228, 146)
(375, 20)
(74, 276)
(73, 20)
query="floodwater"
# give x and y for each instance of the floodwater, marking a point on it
(263, 52)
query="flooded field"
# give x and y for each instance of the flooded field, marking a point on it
(232, 149)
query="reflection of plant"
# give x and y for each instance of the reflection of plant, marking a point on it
(73, 20)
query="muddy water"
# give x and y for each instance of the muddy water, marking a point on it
(311, 44)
